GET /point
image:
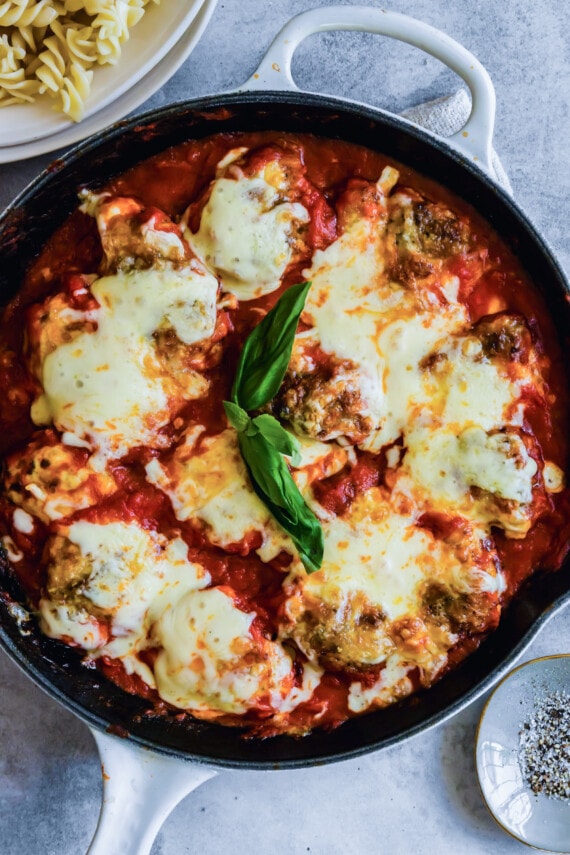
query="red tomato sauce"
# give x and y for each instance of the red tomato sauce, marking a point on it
(168, 181)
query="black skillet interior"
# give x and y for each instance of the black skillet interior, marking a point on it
(24, 228)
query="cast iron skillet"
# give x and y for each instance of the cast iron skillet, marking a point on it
(43, 206)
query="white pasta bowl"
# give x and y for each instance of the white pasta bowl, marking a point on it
(537, 819)
(149, 42)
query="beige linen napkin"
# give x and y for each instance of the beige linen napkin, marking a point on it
(445, 116)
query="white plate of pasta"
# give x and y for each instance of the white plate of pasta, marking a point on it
(62, 61)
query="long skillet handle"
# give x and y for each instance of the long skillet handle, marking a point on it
(140, 789)
(473, 140)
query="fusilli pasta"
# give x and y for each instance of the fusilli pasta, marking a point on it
(50, 47)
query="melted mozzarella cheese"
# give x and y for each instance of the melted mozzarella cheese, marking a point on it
(368, 600)
(23, 521)
(143, 591)
(49, 484)
(446, 464)
(60, 620)
(345, 305)
(167, 244)
(554, 480)
(13, 553)
(401, 348)
(392, 685)
(442, 464)
(473, 390)
(383, 553)
(245, 235)
(135, 576)
(359, 315)
(380, 328)
(319, 460)
(209, 660)
(124, 236)
(107, 386)
(211, 485)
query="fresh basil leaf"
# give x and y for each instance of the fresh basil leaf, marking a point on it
(279, 438)
(237, 417)
(275, 487)
(266, 466)
(262, 440)
(267, 425)
(267, 351)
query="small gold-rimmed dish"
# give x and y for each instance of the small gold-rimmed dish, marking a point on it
(523, 753)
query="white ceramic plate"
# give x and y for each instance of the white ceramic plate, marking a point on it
(139, 92)
(160, 28)
(537, 820)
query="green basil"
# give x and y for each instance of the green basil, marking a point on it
(278, 437)
(236, 416)
(262, 440)
(267, 351)
(273, 483)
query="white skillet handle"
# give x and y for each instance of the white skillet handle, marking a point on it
(473, 140)
(140, 789)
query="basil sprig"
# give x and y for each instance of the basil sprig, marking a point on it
(267, 351)
(262, 440)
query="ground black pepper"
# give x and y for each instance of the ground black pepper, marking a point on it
(544, 746)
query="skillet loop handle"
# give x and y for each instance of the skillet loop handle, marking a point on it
(140, 789)
(473, 140)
